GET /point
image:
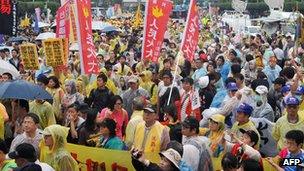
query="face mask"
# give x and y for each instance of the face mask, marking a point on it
(258, 100)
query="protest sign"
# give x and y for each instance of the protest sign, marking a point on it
(29, 56)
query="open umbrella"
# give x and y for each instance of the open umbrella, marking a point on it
(103, 26)
(7, 67)
(41, 24)
(46, 35)
(21, 89)
(17, 39)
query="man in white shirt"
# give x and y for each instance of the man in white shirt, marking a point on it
(31, 134)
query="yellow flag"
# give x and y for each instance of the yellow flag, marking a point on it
(25, 22)
(138, 17)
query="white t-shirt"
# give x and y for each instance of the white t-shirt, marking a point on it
(44, 166)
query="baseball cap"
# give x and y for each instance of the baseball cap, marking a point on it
(285, 89)
(150, 109)
(232, 86)
(261, 89)
(245, 108)
(24, 150)
(218, 118)
(173, 156)
(191, 122)
(292, 101)
(300, 90)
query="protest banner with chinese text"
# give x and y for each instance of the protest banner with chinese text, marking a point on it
(63, 21)
(156, 19)
(53, 49)
(87, 51)
(29, 56)
(87, 155)
(8, 20)
(191, 32)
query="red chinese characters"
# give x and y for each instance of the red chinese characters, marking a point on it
(156, 19)
(5, 7)
(191, 33)
(89, 64)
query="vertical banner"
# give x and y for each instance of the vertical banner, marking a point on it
(89, 64)
(63, 21)
(73, 30)
(37, 20)
(191, 32)
(156, 20)
(29, 56)
(8, 20)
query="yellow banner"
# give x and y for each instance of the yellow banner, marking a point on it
(29, 56)
(91, 158)
(54, 53)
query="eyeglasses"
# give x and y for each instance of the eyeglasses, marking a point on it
(118, 103)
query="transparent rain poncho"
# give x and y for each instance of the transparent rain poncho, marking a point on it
(58, 157)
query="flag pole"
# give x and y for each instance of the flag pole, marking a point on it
(180, 52)
(174, 76)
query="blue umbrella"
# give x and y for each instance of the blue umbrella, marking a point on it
(21, 89)
(109, 28)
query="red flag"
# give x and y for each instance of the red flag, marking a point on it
(89, 64)
(191, 32)
(156, 19)
(63, 21)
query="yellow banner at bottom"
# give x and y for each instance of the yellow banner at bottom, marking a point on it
(98, 159)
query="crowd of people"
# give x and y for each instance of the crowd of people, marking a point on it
(222, 104)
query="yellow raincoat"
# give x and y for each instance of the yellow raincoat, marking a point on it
(110, 84)
(147, 84)
(58, 157)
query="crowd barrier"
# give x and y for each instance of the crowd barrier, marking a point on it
(98, 159)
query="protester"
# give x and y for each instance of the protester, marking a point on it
(108, 138)
(290, 121)
(45, 112)
(25, 155)
(134, 91)
(99, 97)
(31, 134)
(116, 112)
(190, 130)
(244, 111)
(170, 160)
(89, 129)
(151, 136)
(136, 118)
(57, 94)
(58, 158)
(5, 165)
(74, 122)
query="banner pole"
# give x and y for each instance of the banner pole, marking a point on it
(174, 76)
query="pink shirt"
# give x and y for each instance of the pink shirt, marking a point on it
(120, 117)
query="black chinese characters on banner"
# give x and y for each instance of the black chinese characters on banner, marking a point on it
(8, 11)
